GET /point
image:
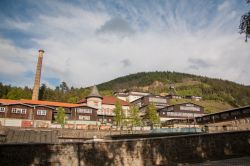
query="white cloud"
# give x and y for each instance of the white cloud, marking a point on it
(75, 53)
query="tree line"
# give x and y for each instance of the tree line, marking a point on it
(208, 88)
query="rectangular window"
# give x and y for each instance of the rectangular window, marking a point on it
(41, 112)
(81, 117)
(2, 109)
(189, 108)
(84, 110)
(18, 111)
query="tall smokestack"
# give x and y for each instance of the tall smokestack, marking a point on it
(38, 75)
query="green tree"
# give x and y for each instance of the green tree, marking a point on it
(72, 99)
(60, 116)
(19, 93)
(42, 91)
(119, 115)
(134, 116)
(152, 116)
(245, 23)
(64, 87)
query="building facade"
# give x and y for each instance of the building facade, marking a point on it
(180, 111)
(130, 96)
(34, 113)
(144, 101)
(230, 120)
(105, 106)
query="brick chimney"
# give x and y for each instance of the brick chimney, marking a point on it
(38, 75)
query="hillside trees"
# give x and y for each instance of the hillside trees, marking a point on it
(208, 88)
(19, 93)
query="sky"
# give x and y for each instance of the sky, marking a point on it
(91, 42)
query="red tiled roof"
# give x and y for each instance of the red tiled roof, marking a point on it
(40, 102)
(49, 103)
(8, 101)
(109, 100)
(82, 101)
(112, 100)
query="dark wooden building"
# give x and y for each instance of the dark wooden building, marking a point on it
(234, 119)
(181, 111)
(32, 113)
(144, 101)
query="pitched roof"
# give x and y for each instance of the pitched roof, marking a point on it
(40, 102)
(49, 103)
(109, 100)
(94, 93)
(8, 101)
(112, 100)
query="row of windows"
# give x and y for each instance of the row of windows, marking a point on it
(18, 111)
(81, 117)
(189, 108)
(84, 110)
(23, 111)
(41, 112)
(105, 120)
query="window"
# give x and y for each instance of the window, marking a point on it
(81, 117)
(18, 111)
(189, 107)
(84, 110)
(2, 109)
(41, 112)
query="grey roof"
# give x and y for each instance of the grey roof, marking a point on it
(94, 93)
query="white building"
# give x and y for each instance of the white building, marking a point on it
(130, 96)
(105, 105)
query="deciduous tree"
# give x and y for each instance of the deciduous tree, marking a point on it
(134, 116)
(245, 23)
(119, 115)
(60, 116)
(151, 115)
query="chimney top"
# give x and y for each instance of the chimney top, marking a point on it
(41, 51)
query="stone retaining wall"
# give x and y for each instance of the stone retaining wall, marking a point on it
(139, 152)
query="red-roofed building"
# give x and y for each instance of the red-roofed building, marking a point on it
(93, 110)
(105, 105)
(36, 113)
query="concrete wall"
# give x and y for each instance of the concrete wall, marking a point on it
(144, 152)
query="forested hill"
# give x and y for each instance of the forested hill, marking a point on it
(185, 84)
(216, 90)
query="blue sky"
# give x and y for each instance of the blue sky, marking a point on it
(90, 42)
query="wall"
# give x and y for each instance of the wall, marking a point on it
(48, 115)
(155, 151)
(233, 125)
